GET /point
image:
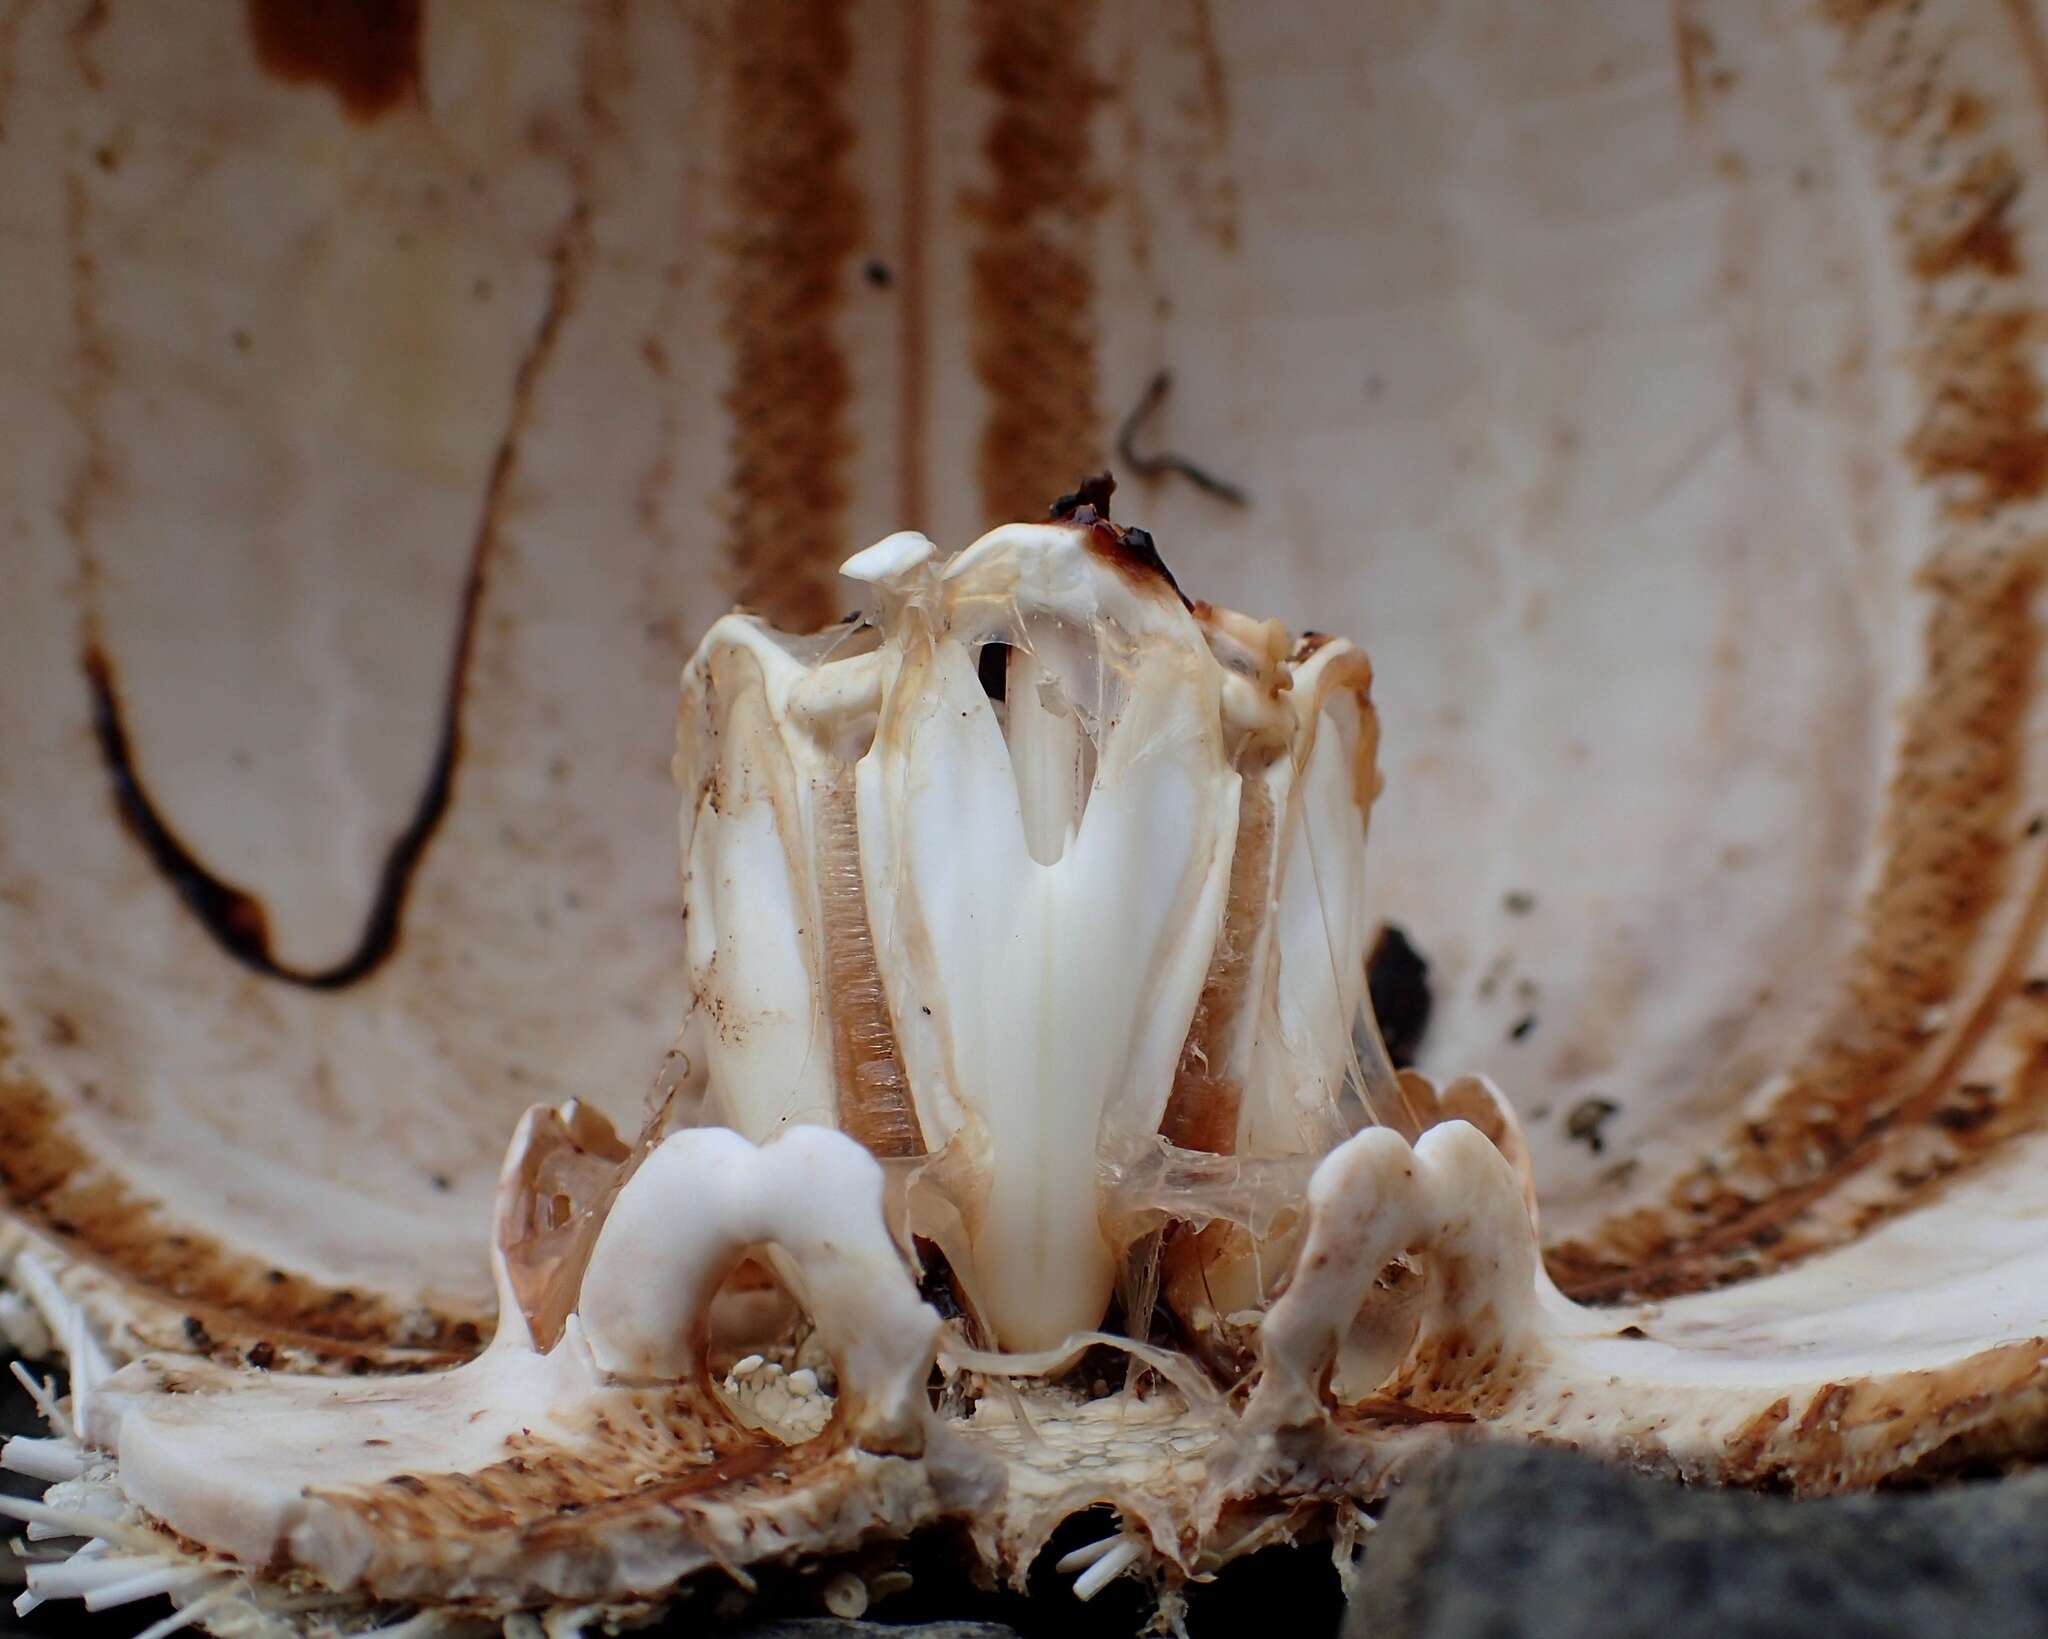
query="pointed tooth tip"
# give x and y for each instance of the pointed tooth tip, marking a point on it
(1058, 538)
(891, 556)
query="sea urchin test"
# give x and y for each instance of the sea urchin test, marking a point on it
(1026, 940)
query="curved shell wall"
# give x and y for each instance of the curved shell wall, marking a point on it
(1654, 392)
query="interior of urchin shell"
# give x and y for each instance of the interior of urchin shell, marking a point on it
(1026, 966)
(1029, 1149)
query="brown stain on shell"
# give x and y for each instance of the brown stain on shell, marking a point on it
(367, 52)
(797, 222)
(234, 918)
(1952, 829)
(649, 1453)
(10, 37)
(1701, 73)
(1031, 271)
(1966, 227)
(1873, 1118)
(1981, 434)
(50, 1181)
(1848, 1435)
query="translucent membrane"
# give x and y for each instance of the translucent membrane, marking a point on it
(1202, 1112)
(573, 1168)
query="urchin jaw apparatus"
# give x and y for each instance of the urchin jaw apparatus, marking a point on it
(1026, 937)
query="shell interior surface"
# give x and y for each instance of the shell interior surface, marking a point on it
(1031, 813)
(1653, 393)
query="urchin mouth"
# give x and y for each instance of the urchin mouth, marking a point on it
(1052, 869)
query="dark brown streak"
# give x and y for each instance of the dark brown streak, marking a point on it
(233, 916)
(10, 38)
(1161, 462)
(914, 389)
(799, 218)
(367, 52)
(84, 30)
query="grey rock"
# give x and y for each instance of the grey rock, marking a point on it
(1495, 1542)
(833, 1627)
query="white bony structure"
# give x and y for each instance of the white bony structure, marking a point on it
(1026, 961)
(995, 875)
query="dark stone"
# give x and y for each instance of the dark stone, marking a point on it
(1498, 1542)
(834, 1627)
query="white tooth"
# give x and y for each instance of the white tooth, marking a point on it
(1045, 751)
(890, 558)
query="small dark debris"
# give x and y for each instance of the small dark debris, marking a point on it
(1585, 1119)
(197, 1335)
(1162, 462)
(878, 275)
(261, 1355)
(1140, 545)
(1088, 508)
(2037, 825)
(1519, 902)
(277, 1277)
(1397, 980)
(359, 1366)
(1632, 1332)
(1962, 1118)
(240, 339)
(1522, 1028)
(935, 1285)
(464, 1335)
(1093, 493)
(440, 1181)
(2036, 988)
